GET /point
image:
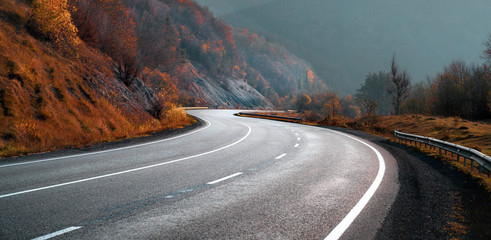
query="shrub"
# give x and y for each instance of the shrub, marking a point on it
(52, 20)
(311, 116)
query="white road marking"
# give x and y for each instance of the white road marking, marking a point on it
(224, 178)
(298, 139)
(130, 170)
(58, 233)
(338, 231)
(296, 145)
(296, 134)
(208, 124)
(281, 156)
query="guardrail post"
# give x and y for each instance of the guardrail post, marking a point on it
(480, 169)
(465, 161)
(472, 164)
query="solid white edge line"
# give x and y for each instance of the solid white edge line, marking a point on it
(130, 170)
(281, 156)
(338, 231)
(225, 178)
(58, 233)
(208, 124)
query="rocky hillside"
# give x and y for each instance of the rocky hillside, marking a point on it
(50, 99)
(79, 72)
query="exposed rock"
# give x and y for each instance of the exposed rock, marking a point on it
(137, 98)
(230, 93)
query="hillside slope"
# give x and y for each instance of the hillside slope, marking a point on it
(345, 40)
(79, 72)
(50, 101)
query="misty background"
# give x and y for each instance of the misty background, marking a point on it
(344, 40)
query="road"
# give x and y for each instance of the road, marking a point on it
(232, 178)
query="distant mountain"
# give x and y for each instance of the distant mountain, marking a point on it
(273, 70)
(346, 39)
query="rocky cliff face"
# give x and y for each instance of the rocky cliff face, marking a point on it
(230, 93)
(137, 98)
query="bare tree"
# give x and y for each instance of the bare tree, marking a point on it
(400, 85)
(127, 67)
(368, 106)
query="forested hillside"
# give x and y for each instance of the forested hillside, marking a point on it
(274, 71)
(56, 92)
(78, 72)
(345, 40)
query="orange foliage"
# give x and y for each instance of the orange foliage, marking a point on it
(53, 20)
(310, 76)
(161, 83)
(48, 101)
(205, 47)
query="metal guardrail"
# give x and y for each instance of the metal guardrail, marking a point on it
(288, 119)
(473, 155)
(194, 108)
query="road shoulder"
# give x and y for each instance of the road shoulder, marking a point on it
(434, 200)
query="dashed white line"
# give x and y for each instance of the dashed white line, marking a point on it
(298, 139)
(208, 124)
(281, 156)
(296, 145)
(296, 134)
(224, 178)
(130, 170)
(58, 233)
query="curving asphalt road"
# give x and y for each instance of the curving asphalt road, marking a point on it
(232, 178)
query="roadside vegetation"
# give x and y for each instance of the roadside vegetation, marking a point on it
(57, 92)
(454, 106)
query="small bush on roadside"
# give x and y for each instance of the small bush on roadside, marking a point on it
(311, 116)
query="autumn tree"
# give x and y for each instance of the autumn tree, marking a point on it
(417, 100)
(302, 102)
(333, 107)
(126, 63)
(368, 106)
(399, 87)
(487, 51)
(350, 107)
(53, 21)
(461, 91)
(114, 34)
(375, 87)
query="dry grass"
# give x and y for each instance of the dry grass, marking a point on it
(46, 102)
(475, 135)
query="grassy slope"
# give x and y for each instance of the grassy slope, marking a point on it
(46, 102)
(475, 135)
